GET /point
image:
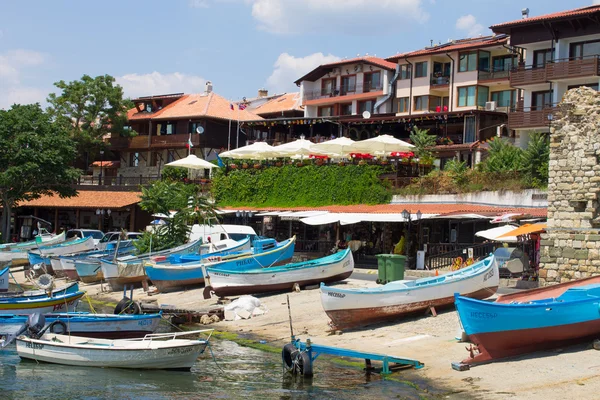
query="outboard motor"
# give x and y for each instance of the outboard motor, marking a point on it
(35, 325)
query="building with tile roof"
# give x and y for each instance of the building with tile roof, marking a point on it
(166, 124)
(558, 51)
(285, 105)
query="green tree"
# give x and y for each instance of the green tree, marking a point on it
(535, 160)
(90, 108)
(458, 171)
(35, 158)
(165, 196)
(502, 157)
(423, 142)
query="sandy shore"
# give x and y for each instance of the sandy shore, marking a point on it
(572, 372)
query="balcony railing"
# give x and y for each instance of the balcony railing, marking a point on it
(439, 81)
(532, 117)
(136, 142)
(574, 67)
(341, 91)
(492, 75)
(177, 140)
(129, 182)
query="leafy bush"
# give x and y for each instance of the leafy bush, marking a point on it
(458, 171)
(502, 157)
(174, 173)
(423, 142)
(535, 160)
(310, 185)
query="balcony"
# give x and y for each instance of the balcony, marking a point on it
(123, 143)
(128, 183)
(493, 75)
(439, 81)
(566, 68)
(171, 141)
(341, 91)
(532, 117)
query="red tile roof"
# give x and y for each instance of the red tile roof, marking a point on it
(462, 44)
(323, 69)
(197, 106)
(425, 208)
(286, 102)
(87, 199)
(577, 12)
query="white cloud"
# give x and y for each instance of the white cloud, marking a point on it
(13, 65)
(469, 24)
(596, 2)
(289, 68)
(198, 3)
(135, 85)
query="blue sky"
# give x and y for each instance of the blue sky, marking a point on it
(155, 47)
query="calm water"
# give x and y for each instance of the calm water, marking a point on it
(248, 373)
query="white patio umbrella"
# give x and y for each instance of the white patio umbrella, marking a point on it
(338, 146)
(495, 233)
(254, 151)
(382, 144)
(301, 147)
(191, 162)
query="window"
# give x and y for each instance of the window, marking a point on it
(584, 49)
(148, 107)
(405, 71)
(403, 104)
(505, 98)
(420, 69)
(504, 63)
(421, 103)
(327, 86)
(168, 128)
(134, 159)
(541, 57)
(540, 100)
(466, 96)
(467, 61)
(441, 70)
(372, 81)
(155, 158)
(484, 60)
(326, 111)
(346, 109)
(483, 94)
(348, 84)
(193, 126)
(366, 106)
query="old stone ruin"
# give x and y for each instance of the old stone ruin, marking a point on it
(570, 248)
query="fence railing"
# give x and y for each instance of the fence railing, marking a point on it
(341, 91)
(314, 246)
(130, 181)
(446, 259)
(572, 67)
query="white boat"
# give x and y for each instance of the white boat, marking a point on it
(43, 254)
(332, 268)
(149, 352)
(348, 308)
(18, 251)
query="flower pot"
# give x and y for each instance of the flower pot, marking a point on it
(299, 164)
(245, 165)
(319, 162)
(257, 166)
(233, 166)
(278, 164)
(341, 163)
(362, 162)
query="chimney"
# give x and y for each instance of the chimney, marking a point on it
(525, 13)
(263, 92)
(208, 88)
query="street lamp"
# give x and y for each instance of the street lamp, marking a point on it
(101, 167)
(407, 217)
(550, 118)
(244, 215)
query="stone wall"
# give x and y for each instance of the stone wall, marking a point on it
(570, 248)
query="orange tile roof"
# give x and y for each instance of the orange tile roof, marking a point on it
(322, 69)
(86, 199)
(462, 44)
(577, 12)
(344, 99)
(425, 208)
(286, 102)
(197, 106)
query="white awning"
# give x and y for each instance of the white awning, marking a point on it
(462, 216)
(354, 218)
(296, 215)
(494, 233)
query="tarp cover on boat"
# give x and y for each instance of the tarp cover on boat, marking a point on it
(133, 269)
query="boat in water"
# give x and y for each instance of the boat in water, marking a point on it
(333, 268)
(506, 329)
(348, 308)
(130, 269)
(265, 253)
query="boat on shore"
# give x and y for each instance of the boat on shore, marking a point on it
(153, 351)
(130, 269)
(333, 268)
(4, 274)
(265, 254)
(40, 304)
(65, 265)
(42, 293)
(500, 330)
(17, 252)
(43, 253)
(105, 326)
(349, 308)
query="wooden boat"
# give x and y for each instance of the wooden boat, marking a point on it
(40, 305)
(4, 273)
(66, 263)
(106, 326)
(265, 253)
(333, 268)
(207, 250)
(545, 292)
(130, 269)
(349, 308)
(501, 330)
(42, 293)
(42, 254)
(148, 352)
(18, 251)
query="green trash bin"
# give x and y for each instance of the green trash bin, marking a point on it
(381, 267)
(394, 267)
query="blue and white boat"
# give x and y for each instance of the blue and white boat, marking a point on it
(24, 305)
(18, 251)
(41, 293)
(222, 248)
(4, 274)
(65, 265)
(43, 253)
(332, 268)
(351, 307)
(130, 269)
(265, 253)
(106, 326)
(501, 330)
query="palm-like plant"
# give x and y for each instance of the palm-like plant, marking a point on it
(458, 171)
(503, 157)
(536, 158)
(423, 142)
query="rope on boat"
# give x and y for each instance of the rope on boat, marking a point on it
(90, 303)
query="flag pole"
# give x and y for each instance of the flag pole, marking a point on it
(237, 137)
(190, 144)
(229, 137)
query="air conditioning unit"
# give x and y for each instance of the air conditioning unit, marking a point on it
(358, 68)
(490, 106)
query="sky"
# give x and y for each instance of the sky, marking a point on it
(157, 46)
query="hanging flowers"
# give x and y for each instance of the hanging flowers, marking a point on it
(361, 156)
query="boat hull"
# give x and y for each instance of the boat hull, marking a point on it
(28, 306)
(89, 271)
(328, 269)
(4, 274)
(176, 357)
(349, 308)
